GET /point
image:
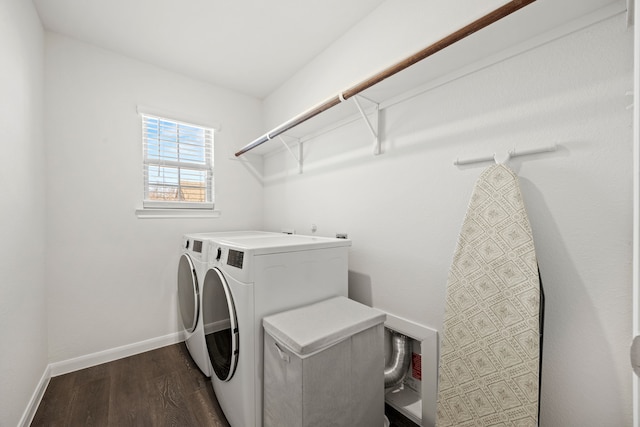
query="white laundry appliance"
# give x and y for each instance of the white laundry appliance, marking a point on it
(249, 276)
(192, 268)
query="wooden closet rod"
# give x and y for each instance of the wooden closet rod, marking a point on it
(452, 38)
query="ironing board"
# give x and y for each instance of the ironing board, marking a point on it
(490, 350)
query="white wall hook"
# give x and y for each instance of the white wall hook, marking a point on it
(459, 162)
(509, 155)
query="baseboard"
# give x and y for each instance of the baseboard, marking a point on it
(93, 359)
(34, 402)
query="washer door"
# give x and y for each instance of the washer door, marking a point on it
(220, 324)
(188, 293)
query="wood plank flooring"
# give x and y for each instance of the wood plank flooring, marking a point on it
(162, 387)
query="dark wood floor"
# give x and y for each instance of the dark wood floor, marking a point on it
(162, 387)
(158, 388)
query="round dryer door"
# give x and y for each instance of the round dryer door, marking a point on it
(220, 324)
(188, 293)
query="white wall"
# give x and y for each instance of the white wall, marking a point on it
(111, 276)
(23, 329)
(403, 209)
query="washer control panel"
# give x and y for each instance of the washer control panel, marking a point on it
(235, 258)
(196, 249)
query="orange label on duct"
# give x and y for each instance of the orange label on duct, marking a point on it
(416, 369)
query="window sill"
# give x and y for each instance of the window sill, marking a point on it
(177, 213)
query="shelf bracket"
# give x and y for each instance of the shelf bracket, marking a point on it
(375, 132)
(298, 157)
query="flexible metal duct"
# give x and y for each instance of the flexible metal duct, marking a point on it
(397, 368)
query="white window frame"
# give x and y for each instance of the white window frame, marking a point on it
(164, 208)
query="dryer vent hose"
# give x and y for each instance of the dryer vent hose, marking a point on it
(396, 369)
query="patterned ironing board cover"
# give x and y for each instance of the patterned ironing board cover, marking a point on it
(490, 347)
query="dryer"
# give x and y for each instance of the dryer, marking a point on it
(249, 277)
(192, 267)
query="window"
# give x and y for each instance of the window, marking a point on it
(178, 164)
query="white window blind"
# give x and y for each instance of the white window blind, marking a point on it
(178, 164)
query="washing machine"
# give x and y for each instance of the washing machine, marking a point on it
(249, 277)
(192, 268)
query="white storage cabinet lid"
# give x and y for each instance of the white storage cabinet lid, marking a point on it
(309, 329)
